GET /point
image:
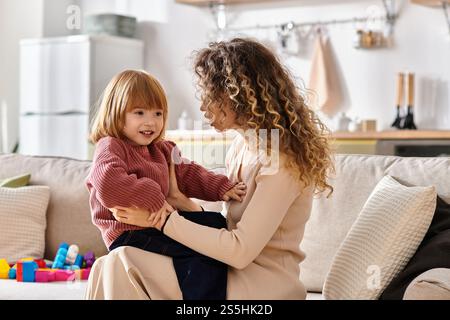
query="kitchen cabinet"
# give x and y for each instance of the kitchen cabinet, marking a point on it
(394, 142)
(208, 147)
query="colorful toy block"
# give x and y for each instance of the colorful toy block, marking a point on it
(41, 263)
(19, 271)
(85, 273)
(68, 265)
(79, 261)
(64, 275)
(12, 273)
(73, 267)
(25, 271)
(44, 275)
(4, 269)
(60, 257)
(72, 254)
(26, 259)
(89, 257)
(78, 274)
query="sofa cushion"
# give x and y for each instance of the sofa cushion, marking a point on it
(23, 221)
(380, 243)
(433, 252)
(433, 284)
(68, 214)
(16, 182)
(13, 290)
(355, 178)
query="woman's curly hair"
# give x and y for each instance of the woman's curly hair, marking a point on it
(253, 82)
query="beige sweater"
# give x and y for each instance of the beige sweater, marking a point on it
(264, 232)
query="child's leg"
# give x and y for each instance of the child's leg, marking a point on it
(202, 277)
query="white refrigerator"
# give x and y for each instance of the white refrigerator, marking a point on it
(61, 80)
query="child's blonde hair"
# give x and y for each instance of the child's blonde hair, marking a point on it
(126, 90)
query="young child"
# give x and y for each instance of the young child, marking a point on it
(131, 168)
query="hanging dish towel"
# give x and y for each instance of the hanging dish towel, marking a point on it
(324, 79)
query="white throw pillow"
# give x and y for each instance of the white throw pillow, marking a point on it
(381, 241)
(23, 222)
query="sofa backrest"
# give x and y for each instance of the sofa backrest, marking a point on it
(68, 213)
(69, 219)
(356, 176)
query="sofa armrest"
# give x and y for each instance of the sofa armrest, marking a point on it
(433, 284)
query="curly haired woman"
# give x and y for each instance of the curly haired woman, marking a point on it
(244, 87)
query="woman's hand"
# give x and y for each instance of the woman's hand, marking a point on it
(175, 194)
(176, 198)
(236, 193)
(142, 217)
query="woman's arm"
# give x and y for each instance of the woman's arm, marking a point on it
(142, 217)
(273, 196)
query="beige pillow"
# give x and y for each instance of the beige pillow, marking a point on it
(23, 222)
(381, 241)
(433, 284)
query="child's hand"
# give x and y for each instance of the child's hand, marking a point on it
(236, 193)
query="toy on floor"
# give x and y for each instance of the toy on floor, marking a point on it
(4, 269)
(68, 265)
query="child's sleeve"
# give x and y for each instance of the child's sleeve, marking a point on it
(115, 187)
(194, 180)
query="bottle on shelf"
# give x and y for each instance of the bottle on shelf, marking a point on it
(409, 118)
(184, 122)
(343, 122)
(398, 122)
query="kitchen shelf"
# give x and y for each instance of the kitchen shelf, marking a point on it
(430, 3)
(199, 135)
(393, 135)
(208, 2)
(231, 2)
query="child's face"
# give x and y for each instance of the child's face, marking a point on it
(142, 126)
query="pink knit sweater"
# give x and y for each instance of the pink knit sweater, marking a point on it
(124, 174)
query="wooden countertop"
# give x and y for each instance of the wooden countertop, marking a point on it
(393, 135)
(339, 135)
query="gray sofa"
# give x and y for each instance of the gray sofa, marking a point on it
(69, 220)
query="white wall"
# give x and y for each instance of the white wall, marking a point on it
(21, 19)
(421, 45)
(173, 31)
(18, 19)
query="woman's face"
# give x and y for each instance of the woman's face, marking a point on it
(220, 116)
